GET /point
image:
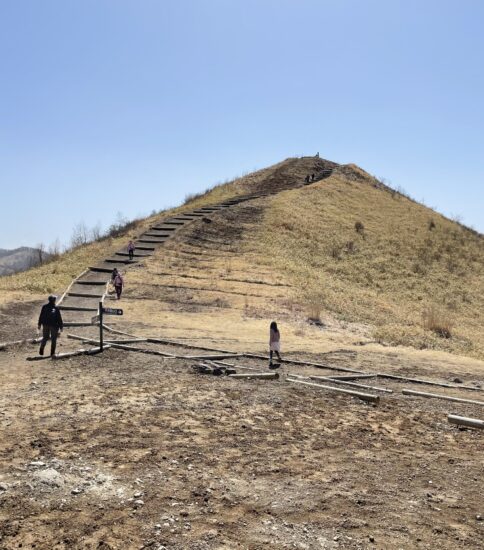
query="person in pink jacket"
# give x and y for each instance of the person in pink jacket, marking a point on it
(274, 342)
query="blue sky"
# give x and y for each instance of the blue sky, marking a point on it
(116, 105)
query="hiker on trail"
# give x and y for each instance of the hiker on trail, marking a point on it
(50, 320)
(131, 249)
(113, 274)
(274, 342)
(306, 179)
(118, 284)
(312, 177)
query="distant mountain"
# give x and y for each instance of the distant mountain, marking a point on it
(19, 259)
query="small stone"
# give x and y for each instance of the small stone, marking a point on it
(479, 517)
(371, 538)
(76, 491)
(336, 538)
(49, 477)
(138, 503)
(457, 380)
(37, 464)
(138, 494)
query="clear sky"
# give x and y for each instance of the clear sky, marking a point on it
(128, 105)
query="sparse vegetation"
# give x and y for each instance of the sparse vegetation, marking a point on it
(438, 321)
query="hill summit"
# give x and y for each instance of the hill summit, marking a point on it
(343, 258)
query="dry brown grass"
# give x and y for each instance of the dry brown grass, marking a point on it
(395, 265)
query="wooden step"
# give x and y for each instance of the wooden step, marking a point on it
(152, 241)
(77, 308)
(101, 269)
(97, 283)
(135, 255)
(84, 295)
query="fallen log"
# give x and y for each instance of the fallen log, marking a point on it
(122, 346)
(440, 396)
(5, 345)
(352, 376)
(363, 396)
(465, 421)
(211, 357)
(92, 351)
(428, 382)
(127, 341)
(256, 375)
(233, 365)
(305, 363)
(352, 384)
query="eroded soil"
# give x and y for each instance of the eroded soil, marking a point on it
(129, 451)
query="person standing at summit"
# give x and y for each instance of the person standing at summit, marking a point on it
(50, 320)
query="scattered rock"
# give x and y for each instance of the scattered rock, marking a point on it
(137, 503)
(49, 477)
(479, 517)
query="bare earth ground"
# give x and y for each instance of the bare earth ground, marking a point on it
(126, 450)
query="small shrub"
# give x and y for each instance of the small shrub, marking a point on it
(432, 225)
(438, 321)
(314, 313)
(350, 247)
(336, 252)
(359, 228)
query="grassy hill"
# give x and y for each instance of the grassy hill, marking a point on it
(344, 260)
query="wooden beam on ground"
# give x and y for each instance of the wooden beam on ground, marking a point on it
(92, 351)
(440, 396)
(353, 376)
(428, 382)
(256, 375)
(305, 363)
(127, 341)
(232, 365)
(5, 345)
(124, 347)
(352, 384)
(465, 421)
(363, 396)
(212, 357)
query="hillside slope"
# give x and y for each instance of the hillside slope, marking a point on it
(341, 261)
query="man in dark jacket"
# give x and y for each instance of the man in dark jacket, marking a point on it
(51, 321)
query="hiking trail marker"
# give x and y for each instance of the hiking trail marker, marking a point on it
(99, 317)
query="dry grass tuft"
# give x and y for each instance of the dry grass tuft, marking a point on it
(437, 320)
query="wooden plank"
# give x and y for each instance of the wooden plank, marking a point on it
(353, 376)
(440, 396)
(91, 351)
(465, 421)
(256, 375)
(363, 396)
(428, 382)
(5, 345)
(352, 384)
(306, 363)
